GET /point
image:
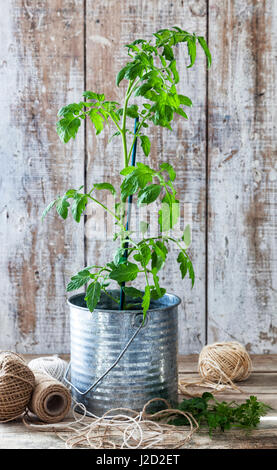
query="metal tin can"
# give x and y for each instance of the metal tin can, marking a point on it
(148, 368)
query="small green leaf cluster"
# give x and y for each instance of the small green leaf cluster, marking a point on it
(213, 414)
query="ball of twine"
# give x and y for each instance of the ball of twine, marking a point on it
(16, 385)
(50, 365)
(225, 362)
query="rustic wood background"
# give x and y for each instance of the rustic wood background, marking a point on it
(225, 156)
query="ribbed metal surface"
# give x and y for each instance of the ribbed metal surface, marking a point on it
(148, 368)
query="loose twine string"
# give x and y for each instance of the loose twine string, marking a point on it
(118, 430)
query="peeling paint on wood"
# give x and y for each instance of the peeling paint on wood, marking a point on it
(40, 75)
(42, 67)
(242, 199)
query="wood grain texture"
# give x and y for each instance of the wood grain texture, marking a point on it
(41, 52)
(110, 23)
(242, 249)
(48, 50)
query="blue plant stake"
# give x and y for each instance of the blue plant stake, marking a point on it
(130, 200)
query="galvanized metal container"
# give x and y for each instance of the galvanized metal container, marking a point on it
(148, 368)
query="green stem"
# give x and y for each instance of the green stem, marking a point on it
(106, 209)
(136, 135)
(124, 140)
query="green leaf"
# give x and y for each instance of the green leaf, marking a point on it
(146, 301)
(157, 295)
(133, 292)
(181, 112)
(78, 206)
(127, 170)
(107, 186)
(183, 261)
(168, 52)
(205, 48)
(191, 273)
(97, 119)
(145, 144)
(93, 294)
(70, 109)
(156, 261)
(187, 236)
(192, 51)
(143, 89)
(121, 74)
(94, 96)
(132, 111)
(149, 194)
(144, 256)
(48, 208)
(67, 128)
(124, 272)
(62, 207)
(174, 71)
(170, 170)
(79, 280)
(185, 100)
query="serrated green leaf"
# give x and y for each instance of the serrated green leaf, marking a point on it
(170, 170)
(133, 292)
(126, 171)
(97, 119)
(183, 262)
(187, 236)
(124, 272)
(149, 194)
(185, 100)
(121, 74)
(146, 301)
(93, 294)
(205, 48)
(78, 206)
(67, 128)
(62, 207)
(48, 208)
(155, 295)
(78, 280)
(145, 144)
(107, 186)
(132, 111)
(192, 51)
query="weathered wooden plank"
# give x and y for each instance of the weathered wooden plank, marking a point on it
(242, 251)
(41, 57)
(110, 25)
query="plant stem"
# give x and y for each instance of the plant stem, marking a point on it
(124, 140)
(106, 209)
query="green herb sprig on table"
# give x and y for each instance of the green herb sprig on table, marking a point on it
(222, 415)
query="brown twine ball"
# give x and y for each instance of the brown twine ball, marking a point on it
(16, 385)
(224, 362)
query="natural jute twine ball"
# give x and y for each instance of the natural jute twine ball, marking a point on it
(224, 362)
(16, 385)
(51, 400)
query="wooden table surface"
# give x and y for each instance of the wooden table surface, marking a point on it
(262, 383)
